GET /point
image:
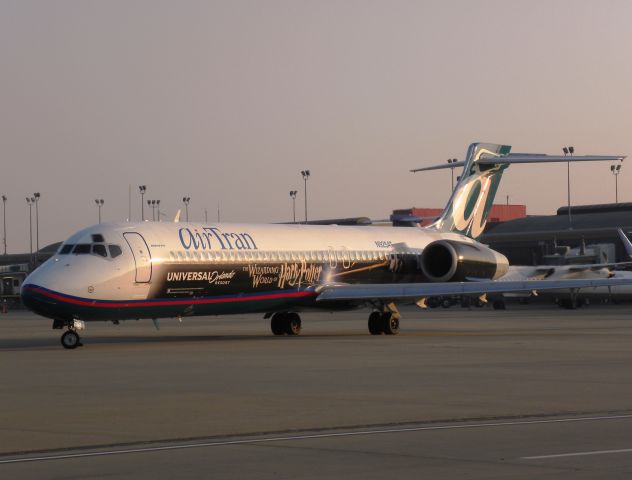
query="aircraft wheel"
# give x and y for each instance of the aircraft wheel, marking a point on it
(390, 324)
(375, 323)
(292, 324)
(499, 305)
(70, 339)
(277, 324)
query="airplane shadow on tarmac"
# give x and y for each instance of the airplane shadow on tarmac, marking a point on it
(53, 342)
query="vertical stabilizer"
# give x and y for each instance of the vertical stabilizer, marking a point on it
(472, 199)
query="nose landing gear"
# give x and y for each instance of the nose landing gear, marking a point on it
(70, 338)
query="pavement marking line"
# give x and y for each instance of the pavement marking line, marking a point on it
(578, 454)
(253, 441)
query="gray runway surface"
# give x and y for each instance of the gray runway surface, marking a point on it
(523, 393)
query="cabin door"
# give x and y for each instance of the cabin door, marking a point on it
(142, 256)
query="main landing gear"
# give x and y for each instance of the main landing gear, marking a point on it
(70, 338)
(285, 323)
(383, 322)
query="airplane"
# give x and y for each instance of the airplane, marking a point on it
(583, 271)
(152, 270)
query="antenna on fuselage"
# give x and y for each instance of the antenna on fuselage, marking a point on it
(177, 218)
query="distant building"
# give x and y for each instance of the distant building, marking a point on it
(498, 213)
(26, 258)
(530, 240)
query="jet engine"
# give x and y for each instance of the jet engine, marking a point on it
(451, 261)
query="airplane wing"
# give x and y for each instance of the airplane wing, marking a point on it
(410, 291)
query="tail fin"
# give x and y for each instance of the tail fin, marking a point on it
(472, 199)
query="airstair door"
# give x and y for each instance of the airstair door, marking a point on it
(142, 256)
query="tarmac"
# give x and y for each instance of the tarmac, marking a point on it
(529, 392)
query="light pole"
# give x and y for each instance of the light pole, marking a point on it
(99, 202)
(4, 222)
(616, 170)
(205, 215)
(305, 174)
(30, 201)
(569, 151)
(186, 201)
(451, 161)
(155, 207)
(142, 189)
(36, 196)
(293, 197)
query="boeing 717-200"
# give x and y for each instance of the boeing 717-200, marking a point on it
(121, 271)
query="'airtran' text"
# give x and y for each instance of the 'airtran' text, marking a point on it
(211, 238)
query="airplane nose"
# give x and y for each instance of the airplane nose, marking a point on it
(29, 296)
(32, 294)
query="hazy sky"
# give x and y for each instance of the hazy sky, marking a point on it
(228, 101)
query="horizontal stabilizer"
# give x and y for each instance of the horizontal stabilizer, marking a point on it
(527, 158)
(440, 167)
(410, 291)
(537, 158)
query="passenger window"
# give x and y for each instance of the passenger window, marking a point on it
(180, 256)
(81, 248)
(99, 249)
(66, 249)
(115, 251)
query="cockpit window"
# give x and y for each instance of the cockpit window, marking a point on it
(115, 251)
(66, 249)
(99, 249)
(81, 248)
(97, 238)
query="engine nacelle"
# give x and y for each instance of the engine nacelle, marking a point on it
(450, 261)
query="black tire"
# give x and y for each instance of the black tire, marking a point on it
(292, 324)
(70, 339)
(375, 323)
(499, 305)
(277, 324)
(390, 324)
(446, 303)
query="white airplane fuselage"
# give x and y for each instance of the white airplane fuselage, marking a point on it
(122, 271)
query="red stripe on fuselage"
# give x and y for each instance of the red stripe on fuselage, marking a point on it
(164, 303)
